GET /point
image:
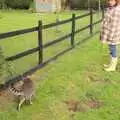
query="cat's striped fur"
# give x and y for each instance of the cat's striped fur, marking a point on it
(24, 90)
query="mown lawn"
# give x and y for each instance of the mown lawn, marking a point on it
(73, 87)
(11, 21)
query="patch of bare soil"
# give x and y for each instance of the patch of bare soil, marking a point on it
(6, 99)
(94, 104)
(79, 106)
(73, 105)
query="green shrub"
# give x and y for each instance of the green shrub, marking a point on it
(2, 65)
(6, 71)
(20, 4)
(84, 4)
(2, 4)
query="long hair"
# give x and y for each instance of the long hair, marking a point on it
(117, 1)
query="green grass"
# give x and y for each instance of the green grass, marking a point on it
(12, 20)
(76, 76)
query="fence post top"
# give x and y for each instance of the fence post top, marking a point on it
(40, 21)
(73, 14)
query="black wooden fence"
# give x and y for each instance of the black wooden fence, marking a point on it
(41, 46)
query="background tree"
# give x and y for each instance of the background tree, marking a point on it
(85, 4)
(2, 4)
(66, 4)
(20, 4)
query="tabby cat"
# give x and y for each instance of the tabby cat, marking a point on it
(24, 89)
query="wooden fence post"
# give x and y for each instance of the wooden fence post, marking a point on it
(102, 12)
(40, 43)
(73, 30)
(91, 21)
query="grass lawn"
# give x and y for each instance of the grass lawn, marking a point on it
(73, 87)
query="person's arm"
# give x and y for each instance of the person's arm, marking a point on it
(115, 18)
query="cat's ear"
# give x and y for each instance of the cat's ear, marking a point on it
(24, 78)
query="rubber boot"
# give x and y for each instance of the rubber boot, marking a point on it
(113, 64)
(107, 65)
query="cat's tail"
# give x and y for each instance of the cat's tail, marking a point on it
(15, 91)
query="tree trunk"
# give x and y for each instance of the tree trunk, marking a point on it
(66, 4)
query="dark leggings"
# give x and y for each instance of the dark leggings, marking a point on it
(113, 50)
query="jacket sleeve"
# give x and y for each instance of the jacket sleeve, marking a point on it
(114, 24)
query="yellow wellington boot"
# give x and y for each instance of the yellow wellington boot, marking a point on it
(112, 66)
(107, 65)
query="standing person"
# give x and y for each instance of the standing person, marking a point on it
(110, 32)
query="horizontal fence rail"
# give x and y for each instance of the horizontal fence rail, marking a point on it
(41, 46)
(56, 41)
(25, 53)
(97, 22)
(82, 16)
(56, 24)
(82, 29)
(18, 32)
